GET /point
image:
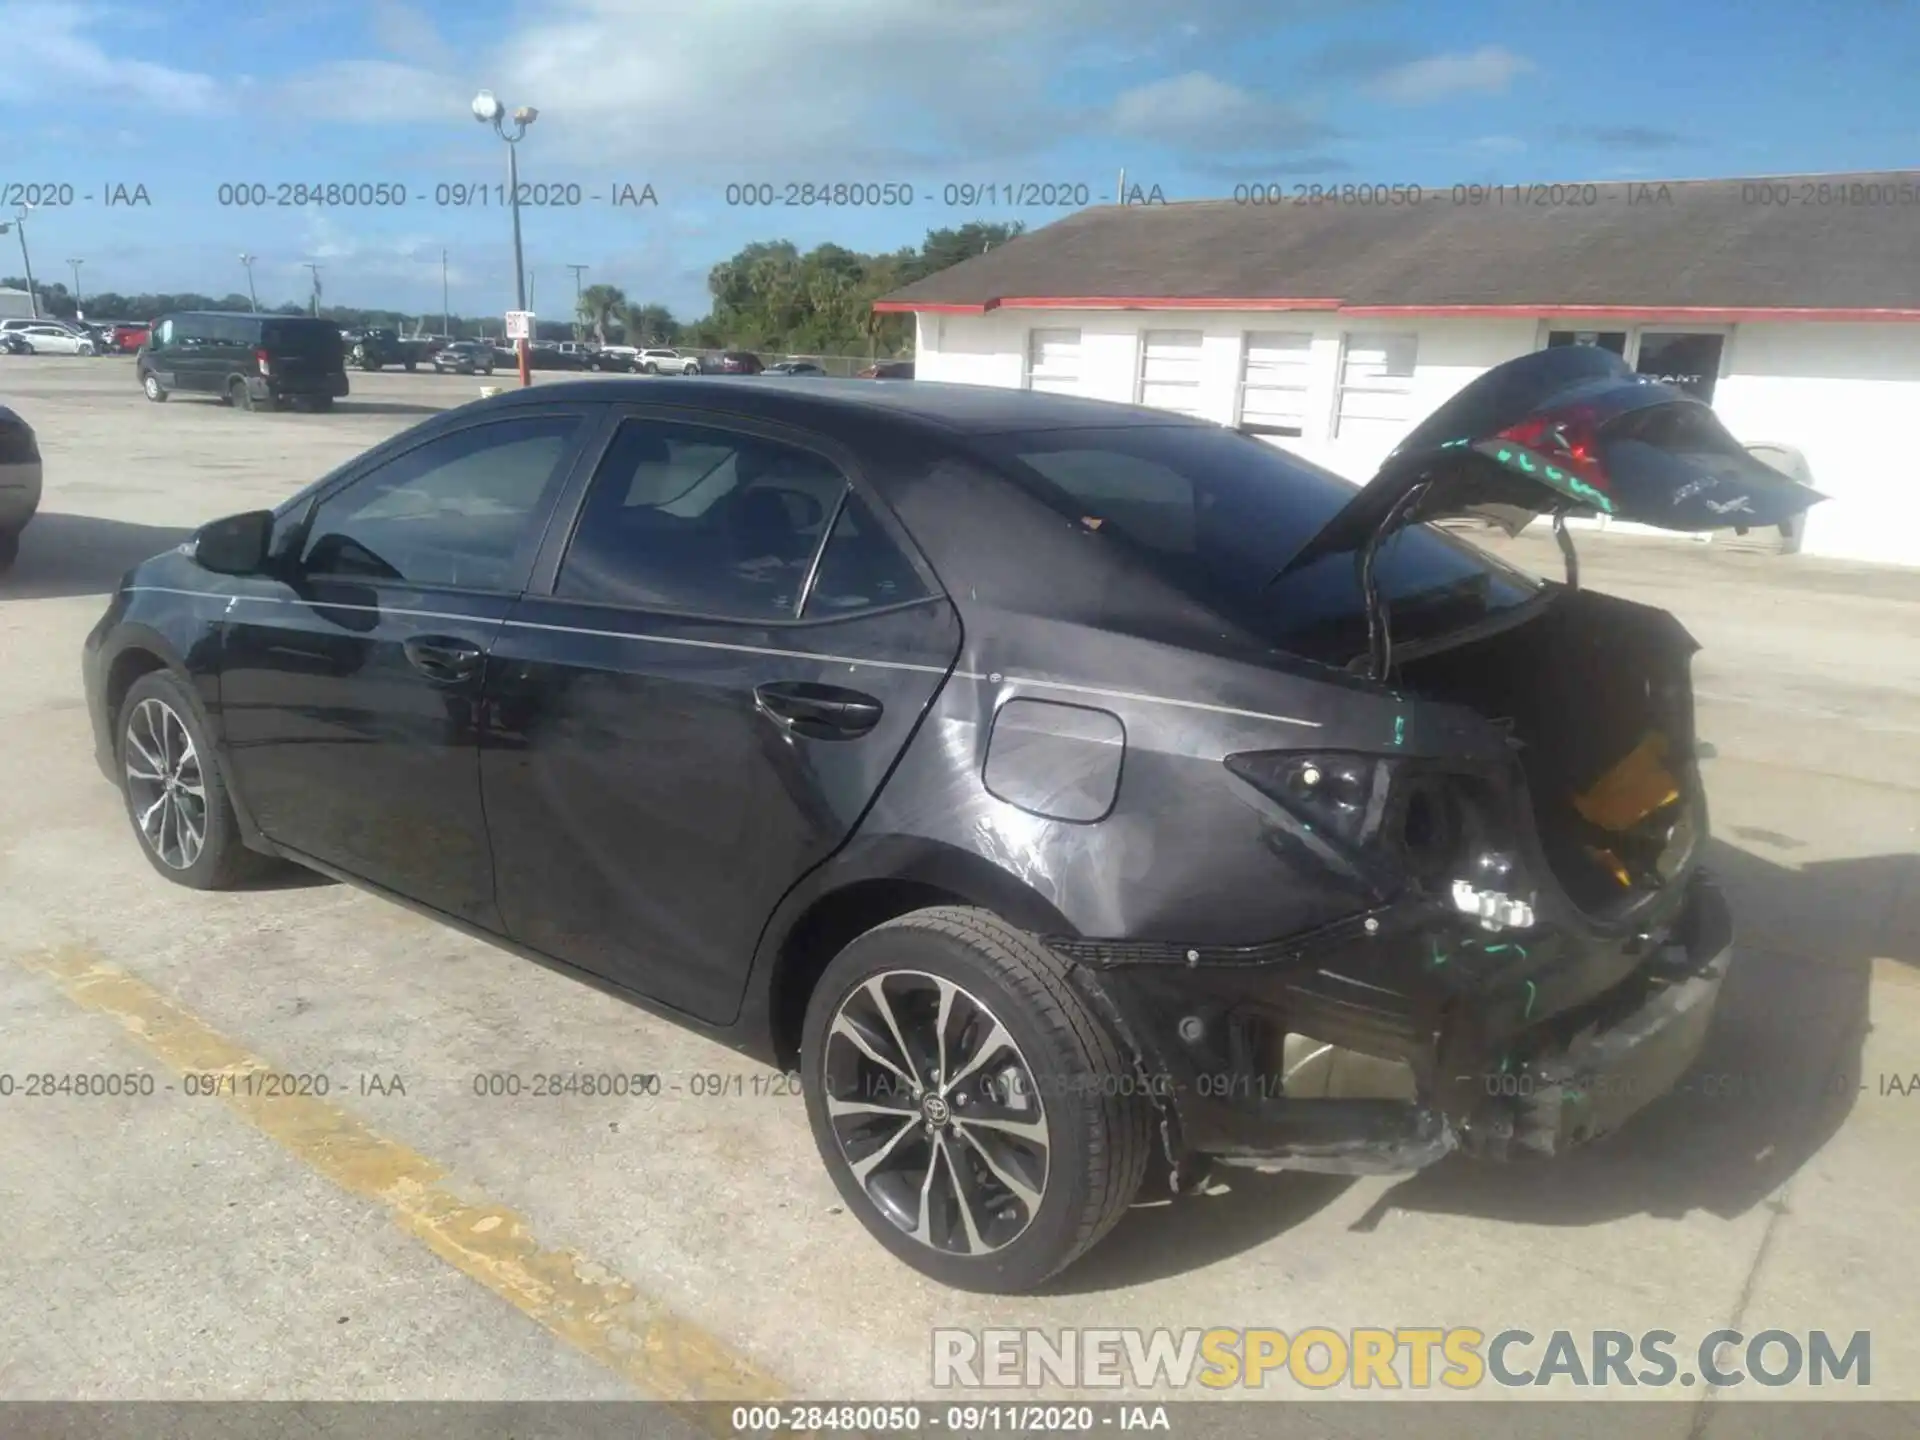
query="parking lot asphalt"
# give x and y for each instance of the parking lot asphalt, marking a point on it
(405, 1236)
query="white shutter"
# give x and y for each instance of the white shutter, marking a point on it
(1376, 384)
(1053, 361)
(1275, 369)
(1170, 370)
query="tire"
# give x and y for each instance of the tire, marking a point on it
(1088, 1150)
(159, 705)
(151, 385)
(321, 404)
(412, 365)
(241, 398)
(9, 549)
(649, 369)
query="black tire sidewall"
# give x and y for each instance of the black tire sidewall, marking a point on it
(1059, 1071)
(216, 862)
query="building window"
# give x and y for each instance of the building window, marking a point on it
(1691, 362)
(1053, 361)
(1614, 340)
(1376, 385)
(1170, 370)
(1275, 370)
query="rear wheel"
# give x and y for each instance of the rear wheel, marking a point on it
(176, 796)
(242, 398)
(150, 385)
(975, 1114)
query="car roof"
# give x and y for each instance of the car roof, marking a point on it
(963, 409)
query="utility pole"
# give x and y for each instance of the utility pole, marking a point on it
(19, 225)
(252, 296)
(578, 326)
(313, 302)
(446, 314)
(76, 264)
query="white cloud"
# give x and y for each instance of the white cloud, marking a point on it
(827, 89)
(51, 58)
(1497, 145)
(1486, 71)
(1201, 112)
(374, 92)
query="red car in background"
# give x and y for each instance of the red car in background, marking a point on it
(128, 338)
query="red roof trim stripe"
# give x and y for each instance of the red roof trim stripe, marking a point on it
(1706, 314)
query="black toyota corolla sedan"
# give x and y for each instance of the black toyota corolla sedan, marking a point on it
(1066, 790)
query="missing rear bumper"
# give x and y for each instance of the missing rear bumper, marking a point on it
(1297, 1062)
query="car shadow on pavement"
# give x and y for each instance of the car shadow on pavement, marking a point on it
(1779, 1074)
(80, 555)
(387, 407)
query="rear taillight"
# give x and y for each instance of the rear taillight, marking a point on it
(1560, 447)
(265, 363)
(1343, 796)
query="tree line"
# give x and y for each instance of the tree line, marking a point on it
(770, 297)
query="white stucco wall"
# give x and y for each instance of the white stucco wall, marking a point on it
(1836, 392)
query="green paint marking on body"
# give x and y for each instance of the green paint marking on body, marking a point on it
(1532, 995)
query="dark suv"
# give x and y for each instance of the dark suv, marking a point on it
(253, 362)
(1054, 784)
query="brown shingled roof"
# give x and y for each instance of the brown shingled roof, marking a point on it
(1676, 245)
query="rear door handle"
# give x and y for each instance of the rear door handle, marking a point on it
(819, 712)
(443, 659)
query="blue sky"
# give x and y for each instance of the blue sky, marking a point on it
(181, 96)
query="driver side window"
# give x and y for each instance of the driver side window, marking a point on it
(463, 510)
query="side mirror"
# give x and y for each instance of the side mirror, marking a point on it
(237, 545)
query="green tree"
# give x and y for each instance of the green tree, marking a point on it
(599, 306)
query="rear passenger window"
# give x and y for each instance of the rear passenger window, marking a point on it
(861, 569)
(700, 519)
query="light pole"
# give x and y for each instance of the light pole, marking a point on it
(78, 313)
(488, 110)
(446, 311)
(313, 300)
(579, 329)
(254, 299)
(19, 224)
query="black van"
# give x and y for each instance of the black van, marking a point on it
(255, 362)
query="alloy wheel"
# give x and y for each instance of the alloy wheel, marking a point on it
(165, 785)
(936, 1112)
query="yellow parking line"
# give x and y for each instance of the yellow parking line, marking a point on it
(592, 1309)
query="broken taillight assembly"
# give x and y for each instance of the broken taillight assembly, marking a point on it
(1560, 448)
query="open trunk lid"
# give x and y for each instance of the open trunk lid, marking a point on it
(1567, 431)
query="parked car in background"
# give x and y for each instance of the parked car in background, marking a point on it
(377, 348)
(611, 359)
(248, 360)
(1228, 816)
(735, 362)
(52, 337)
(663, 360)
(12, 342)
(464, 357)
(887, 370)
(548, 355)
(130, 335)
(793, 367)
(19, 482)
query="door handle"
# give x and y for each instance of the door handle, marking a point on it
(443, 659)
(819, 712)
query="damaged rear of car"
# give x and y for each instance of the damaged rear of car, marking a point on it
(1366, 846)
(1539, 952)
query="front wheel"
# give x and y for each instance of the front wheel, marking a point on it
(176, 796)
(150, 385)
(973, 1111)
